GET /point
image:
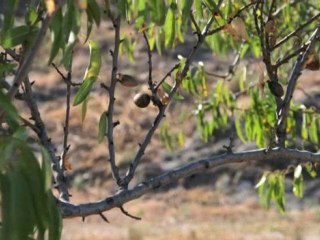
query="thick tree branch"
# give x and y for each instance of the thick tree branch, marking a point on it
(69, 210)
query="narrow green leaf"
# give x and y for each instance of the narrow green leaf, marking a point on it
(102, 127)
(84, 108)
(186, 7)
(91, 74)
(15, 36)
(158, 11)
(238, 127)
(93, 10)
(304, 130)
(170, 26)
(7, 67)
(167, 88)
(198, 7)
(56, 34)
(83, 91)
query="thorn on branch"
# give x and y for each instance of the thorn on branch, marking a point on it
(104, 218)
(102, 85)
(116, 123)
(83, 218)
(230, 146)
(128, 214)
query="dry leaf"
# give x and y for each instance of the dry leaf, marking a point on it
(164, 97)
(312, 63)
(240, 28)
(127, 80)
(66, 165)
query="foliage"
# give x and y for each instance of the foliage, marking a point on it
(277, 32)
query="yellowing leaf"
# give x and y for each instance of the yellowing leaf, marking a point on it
(51, 6)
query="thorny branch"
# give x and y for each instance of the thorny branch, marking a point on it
(82, 210)
(111, 91)
(46, 141)
(66, 146)
(150, 82)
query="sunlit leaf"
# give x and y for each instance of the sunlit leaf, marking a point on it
(102, 127)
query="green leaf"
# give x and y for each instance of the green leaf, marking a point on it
(158, 11)
(102, 127)
(304, 130)
(313, 131)
(15, 36)
(170, 26)
(310, 168)
(7, 67)
(93, 10)
(84, 108)
(238, 127)
(56, 34)
(31, 16)
(91, 74)
(186, 7)
(167, 88)
(141, 9)
(198, 7)
(123, 8)
(84, 91)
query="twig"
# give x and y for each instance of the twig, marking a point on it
(64, 78)
(128, 214)
(295, 73)
(198, 31)
(69, 210)
(46, 142)
(150, 82)
(168, 74)
(286, 38)
(111, 91)
(231, 69)
(237, 14)
(288, 57)
(66, 146)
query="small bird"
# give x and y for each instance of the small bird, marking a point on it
(275, 88)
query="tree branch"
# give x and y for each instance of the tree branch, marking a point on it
(286, 38)
(295, 73)
(111, 91)
(46, 141)
(69, 210)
